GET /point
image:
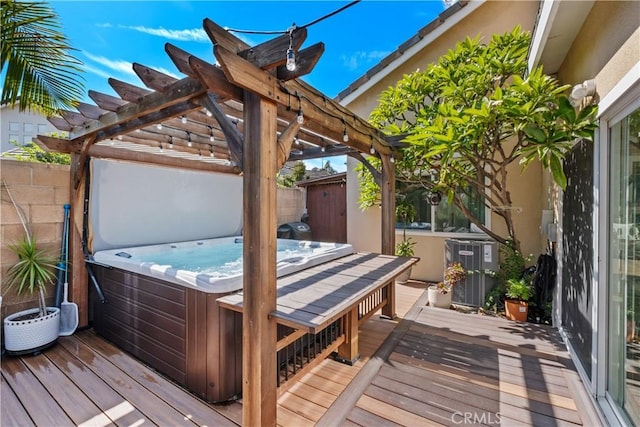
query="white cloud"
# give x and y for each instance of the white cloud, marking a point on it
(122, 67)
(362, 58)
(195, 34)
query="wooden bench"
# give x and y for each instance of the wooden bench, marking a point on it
(332, 299)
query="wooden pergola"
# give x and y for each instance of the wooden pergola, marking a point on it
(246, 115)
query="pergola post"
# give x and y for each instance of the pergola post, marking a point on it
(79, 291)
(388, 190)
(259, 392)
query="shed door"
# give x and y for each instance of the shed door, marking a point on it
(327, 210)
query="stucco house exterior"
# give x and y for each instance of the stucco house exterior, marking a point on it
(21, 126)
(594, 222)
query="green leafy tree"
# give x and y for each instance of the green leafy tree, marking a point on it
(328, 168)
(35, 59)
(298, 173)
(33, 153)
(472, 114)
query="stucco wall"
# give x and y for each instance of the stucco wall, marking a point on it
(606, 48)
(21, 127)
(528, 194)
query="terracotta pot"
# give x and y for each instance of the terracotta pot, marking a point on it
(437, 298)
(516, 310)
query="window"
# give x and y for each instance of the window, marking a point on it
(442, 217)
(28, 128)
(624, 269)
(14, 126)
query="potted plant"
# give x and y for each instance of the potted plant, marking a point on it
(440, 295)
(32, 330)
(518, 293)
(405, 212)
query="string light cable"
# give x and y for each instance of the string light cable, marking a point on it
(290, 58)
(315, 21)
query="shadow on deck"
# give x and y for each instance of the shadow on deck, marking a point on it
(429, 367)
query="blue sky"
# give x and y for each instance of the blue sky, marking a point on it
(110, 35)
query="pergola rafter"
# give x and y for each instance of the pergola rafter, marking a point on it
(239, 117)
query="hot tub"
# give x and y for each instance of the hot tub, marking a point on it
(215, 265)
(161, 306)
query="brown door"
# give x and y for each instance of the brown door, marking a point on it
(327, 210)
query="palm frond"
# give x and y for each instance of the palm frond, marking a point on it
(40, 71)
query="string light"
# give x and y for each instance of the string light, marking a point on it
(199, 154)
(372, 150)
(189, 143)
(170, 141)
(184, 120)
(161, 148)
(323, 149)
(392, 159)
(119, 137)
(291, 55)
(300, 117)
(296, 140)
(211, 150)
(211, 137)
(345, 137)
(209, 113)
(159, 126)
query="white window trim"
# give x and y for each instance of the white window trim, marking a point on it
(623, 99)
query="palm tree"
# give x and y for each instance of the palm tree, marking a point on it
(39, 72)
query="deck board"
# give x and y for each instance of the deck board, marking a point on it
(426, 365)
(439, 364)
(313, 298)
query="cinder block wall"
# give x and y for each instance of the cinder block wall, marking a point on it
(290, 204)
(40, 190)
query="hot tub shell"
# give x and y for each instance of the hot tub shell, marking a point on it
(177, 330)
(170, 319)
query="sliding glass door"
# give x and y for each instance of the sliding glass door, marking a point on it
(623, 370)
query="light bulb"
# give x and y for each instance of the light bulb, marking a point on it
(159, 126)
(291, 59)
(345, 137)
(184, 120)
(297, 141)
(170, 142)
(323, 149)
(119, 137)
(209, 113)
(161, 148)
(300, 117)
(211, 138)
(392, 159)
(190, 144)
(372, 150)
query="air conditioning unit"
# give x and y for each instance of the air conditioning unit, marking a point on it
(480, 256)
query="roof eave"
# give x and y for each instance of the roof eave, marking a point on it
(446, 21)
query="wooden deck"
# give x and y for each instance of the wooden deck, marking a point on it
(428, 367)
